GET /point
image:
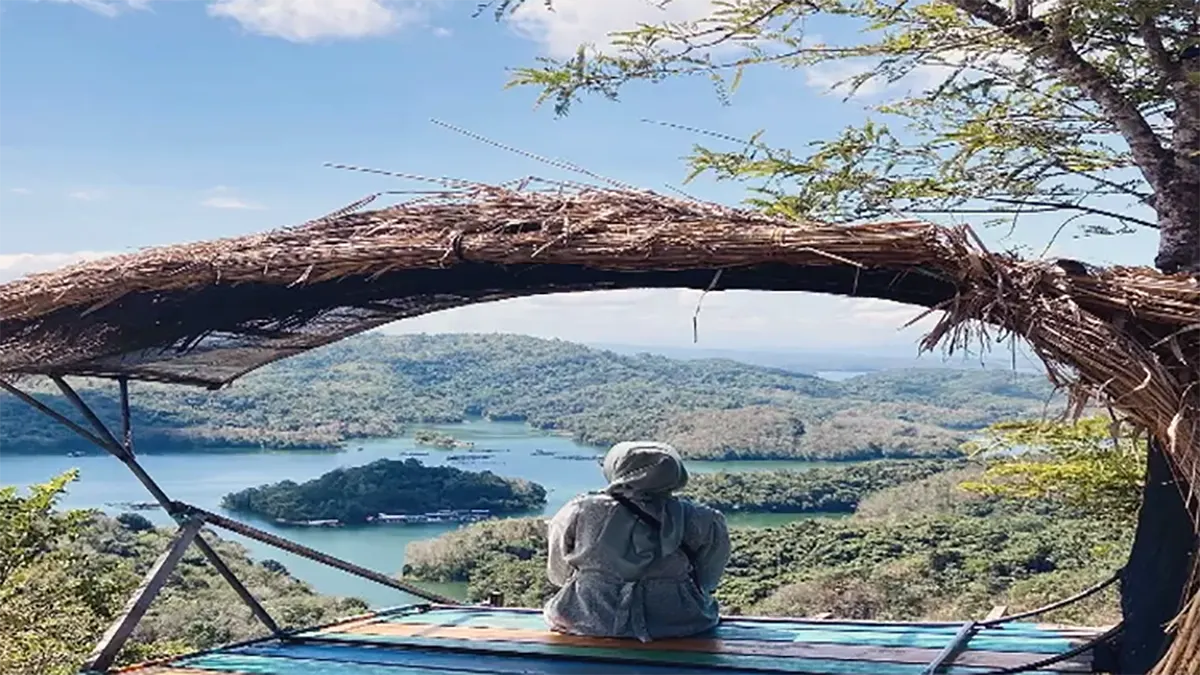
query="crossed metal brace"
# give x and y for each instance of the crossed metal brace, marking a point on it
(190, 519)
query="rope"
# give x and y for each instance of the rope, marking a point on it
(1056, 605)
(1059, 658)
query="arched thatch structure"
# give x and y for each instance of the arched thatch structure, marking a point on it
(209, 312)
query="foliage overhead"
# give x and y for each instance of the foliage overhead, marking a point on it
(1088, 108)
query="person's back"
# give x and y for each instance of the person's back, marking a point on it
(635, 561)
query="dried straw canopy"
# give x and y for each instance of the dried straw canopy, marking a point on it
(206, 313)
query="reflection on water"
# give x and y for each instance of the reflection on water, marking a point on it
(203, 478)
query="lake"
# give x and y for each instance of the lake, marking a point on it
(204, 478)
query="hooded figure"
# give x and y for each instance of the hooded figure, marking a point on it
(621, 576)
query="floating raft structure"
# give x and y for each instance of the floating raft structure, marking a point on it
(458, 640)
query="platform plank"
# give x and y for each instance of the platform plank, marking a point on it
(475, 641)
(757, 629)
(990, 640)
(720, 661)
(788, 649)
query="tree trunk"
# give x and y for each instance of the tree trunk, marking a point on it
(1159, 567)
(1179, 223)
(1176, 182)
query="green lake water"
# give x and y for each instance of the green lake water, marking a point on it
(203, 478)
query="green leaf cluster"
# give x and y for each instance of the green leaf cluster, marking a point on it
(68, 574)
(1093, 464)
(971, 106)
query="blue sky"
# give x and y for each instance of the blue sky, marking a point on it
(131, 123)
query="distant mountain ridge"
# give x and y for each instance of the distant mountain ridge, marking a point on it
(380, 386)
(819, 362)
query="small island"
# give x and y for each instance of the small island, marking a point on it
(440, 440)
(389, 491)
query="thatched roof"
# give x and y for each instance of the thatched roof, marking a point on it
(208, 312)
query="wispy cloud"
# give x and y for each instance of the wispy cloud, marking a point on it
(835, 76)
(16, 265)
(560, 28)
(88, 194)
(20, 191)
(106, 7)
(222, 197)
(229, 203)
(309, 21)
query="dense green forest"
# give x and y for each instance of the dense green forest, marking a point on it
(930, 547)
(378, 385)
(355, 494)
(66, 575)
(822, 489)
(920, 567)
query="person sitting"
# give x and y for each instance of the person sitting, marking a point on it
(634, 561)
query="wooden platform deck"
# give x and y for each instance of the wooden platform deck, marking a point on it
(475, 640)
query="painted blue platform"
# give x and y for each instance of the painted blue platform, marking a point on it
(473, 640)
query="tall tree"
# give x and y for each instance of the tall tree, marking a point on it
(1085, 108)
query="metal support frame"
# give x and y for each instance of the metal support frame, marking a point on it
(191, 519)
(946, 656)
(114, 446)
(244, 593)
(313, 554)
(114, 638)
(126, 418)
(125, 454)
(104, 439)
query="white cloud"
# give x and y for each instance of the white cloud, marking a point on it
(730, 319)
(16, 265)
(441, 32)
(832, 76)
(566, 24)
(229, 203)
(87, 195)
(311, 20)
(222, 197)
(20, 191)
(107, 7)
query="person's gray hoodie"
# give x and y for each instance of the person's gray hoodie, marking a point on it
(618, 577)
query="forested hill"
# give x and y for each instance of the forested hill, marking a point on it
(357, 494)
(380, 385)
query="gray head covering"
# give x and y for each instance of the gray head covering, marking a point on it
(644, 469)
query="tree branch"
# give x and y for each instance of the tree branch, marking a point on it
(1021, 9)
(1066, 206)
(1152, 158)
(1162, 59)
(1147, 199)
